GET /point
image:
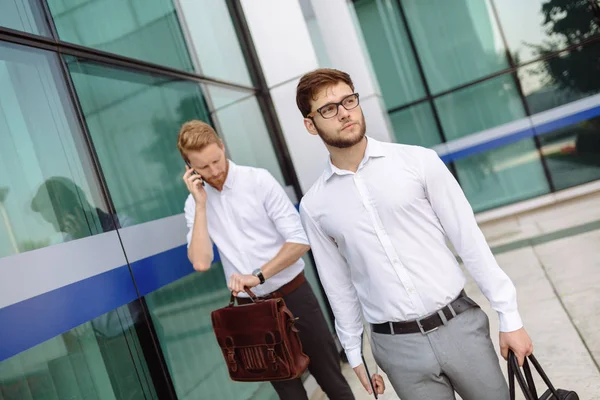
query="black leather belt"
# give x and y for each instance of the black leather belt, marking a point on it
(429, 323)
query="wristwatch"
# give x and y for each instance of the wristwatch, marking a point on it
(258, 273)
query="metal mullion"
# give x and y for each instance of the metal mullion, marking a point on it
(408, 105)
(111, 59)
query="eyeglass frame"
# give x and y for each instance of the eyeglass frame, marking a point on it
(337, 108)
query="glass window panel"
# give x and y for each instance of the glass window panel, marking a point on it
(134, 120)
(100, 360)
(181, 313)
(560, 80)
(482, 106)
(146, 30)
(573, 153)
(242, 126)
(390, 51)
(416, 125)
(214, 40)
(48, 193)
(23, 15)
(457, 41)
(534, 28)
(502, 176)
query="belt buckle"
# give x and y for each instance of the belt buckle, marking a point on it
(423, 331)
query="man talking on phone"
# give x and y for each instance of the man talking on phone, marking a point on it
(260, 238)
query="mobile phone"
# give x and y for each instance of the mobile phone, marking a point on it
(194, 171)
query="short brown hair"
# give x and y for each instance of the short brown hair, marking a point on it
(311, 83)
(195, 135)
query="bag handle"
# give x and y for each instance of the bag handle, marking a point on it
(515, 371)
(528, 387)
(247, 290)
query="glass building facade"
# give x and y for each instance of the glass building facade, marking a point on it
(505, 90)
(97, 297)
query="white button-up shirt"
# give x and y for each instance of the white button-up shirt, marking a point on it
(379, 239)
(249, 221)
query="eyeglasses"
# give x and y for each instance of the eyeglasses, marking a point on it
(331, 110)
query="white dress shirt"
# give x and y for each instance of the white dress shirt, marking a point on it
(249, 221)
(379, 239)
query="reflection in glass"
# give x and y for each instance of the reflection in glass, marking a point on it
(48, 193)
(457, 41)
(147, 30)
(572, 153)
(182, 310)
(23, 15)
(482, 106)
(416, 126)
(559, 80)
(99, 360)
(134, 120)
(502, 176)
(534, 28)
(390, 51)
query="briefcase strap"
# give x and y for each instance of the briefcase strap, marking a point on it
(279, 293)
(248, 291)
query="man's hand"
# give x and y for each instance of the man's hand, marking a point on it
(518, 341)
(237, 282)
(194, 186)
(377, 380)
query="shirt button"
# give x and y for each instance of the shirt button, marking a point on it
(396, 261)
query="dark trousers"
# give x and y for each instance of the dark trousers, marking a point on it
(318, 344)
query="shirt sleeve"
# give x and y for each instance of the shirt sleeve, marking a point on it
(281, 210)
(334, 274)
(456, 216)
(189, 211)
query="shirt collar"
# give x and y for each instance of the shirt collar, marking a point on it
(231, 174)
(374, 150)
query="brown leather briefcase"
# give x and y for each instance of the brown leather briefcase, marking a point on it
(259, 340)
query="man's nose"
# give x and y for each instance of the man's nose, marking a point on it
(214, 170)
(342, 112)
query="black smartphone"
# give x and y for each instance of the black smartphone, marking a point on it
(194, 171)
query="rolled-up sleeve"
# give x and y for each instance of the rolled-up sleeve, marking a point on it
(281, 210)
(334, 274)
(189, 211)
(456, 216)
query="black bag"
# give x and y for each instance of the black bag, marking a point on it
(526, 382)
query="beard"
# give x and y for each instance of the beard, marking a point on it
(218, 181)
(342, 141)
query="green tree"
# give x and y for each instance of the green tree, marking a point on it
(569, 23)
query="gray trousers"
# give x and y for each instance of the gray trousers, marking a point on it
(457, 357)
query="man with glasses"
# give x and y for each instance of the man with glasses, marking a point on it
(377, 221)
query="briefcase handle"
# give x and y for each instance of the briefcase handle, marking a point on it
(247, 290)
(526, 382)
